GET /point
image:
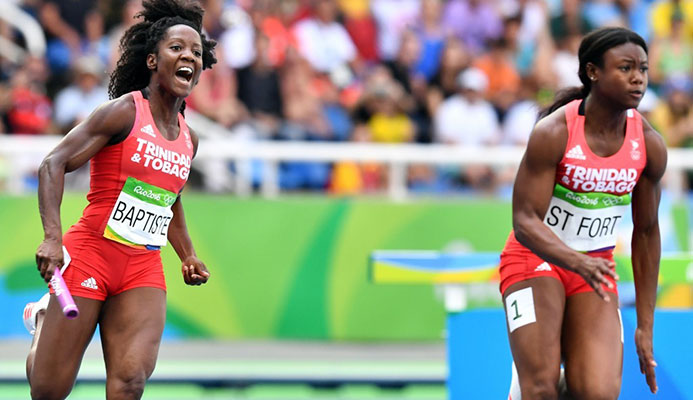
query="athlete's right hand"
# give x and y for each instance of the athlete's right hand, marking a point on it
(595, 271)
(49, 256)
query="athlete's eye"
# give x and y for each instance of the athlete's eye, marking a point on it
(624, 68)
(197, 53)
(175, 47)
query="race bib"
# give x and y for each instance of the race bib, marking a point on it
(586, 221)
(141, 215)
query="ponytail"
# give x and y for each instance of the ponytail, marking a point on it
(563, 97)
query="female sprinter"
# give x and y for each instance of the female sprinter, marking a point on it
(587, 159)
(140, 150)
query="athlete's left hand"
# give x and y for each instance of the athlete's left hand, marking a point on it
(194, 271)
(643, 345)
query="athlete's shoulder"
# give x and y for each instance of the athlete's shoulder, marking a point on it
(653, 139)
(117, 116)
(554, 124)
(120, 105)
(656, 149)
(550, 134)
(194, 138)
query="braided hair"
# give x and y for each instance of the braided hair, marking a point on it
(131, 72)
(592, 49)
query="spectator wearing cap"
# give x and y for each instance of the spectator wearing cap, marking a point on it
(467, 119)
(86, 92)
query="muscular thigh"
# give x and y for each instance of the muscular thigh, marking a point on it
(62, 342)
(131, 326)
(535, 341)
(592, 344)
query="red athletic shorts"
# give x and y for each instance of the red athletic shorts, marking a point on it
(518, 263)
(100, 267)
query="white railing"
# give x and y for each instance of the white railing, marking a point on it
(22, 155)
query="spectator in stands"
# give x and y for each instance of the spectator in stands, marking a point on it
(95, 42)
(237, 41)
(393, 17)
(268, 18)
(432, 36)
(522, 50)
(565, 63)
(212, 20)
(570, 21)
(29, 110)
(65, 24)
(673, 117)
(445, 83)
(128, 10)
(521, 116)
(388, 122)
(532, 16)
(476, 22)
(361, 27)
(632, 13)
(303, 109)
(323, 41)
(215, 95)
(467, 119)
(662, 13)
(74, 103)
(503, 78)
(402, 67)
(259, 90)
(4, 105)
(671, 55)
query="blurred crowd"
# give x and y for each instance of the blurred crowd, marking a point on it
(457, 72)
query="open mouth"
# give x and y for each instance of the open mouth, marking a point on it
(186, 73)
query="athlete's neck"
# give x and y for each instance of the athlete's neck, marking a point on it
(604, 118)
(164, 108)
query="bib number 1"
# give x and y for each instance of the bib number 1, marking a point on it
(519, 308)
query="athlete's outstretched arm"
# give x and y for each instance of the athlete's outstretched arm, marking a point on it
(194, 270)
(646, 250)
(532, 194)
(81, 143)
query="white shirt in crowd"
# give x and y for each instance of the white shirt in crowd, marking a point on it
(393, 17)
(74, 104)
(238, 41)
(459, 121)
(326, 46)
(519, 122)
